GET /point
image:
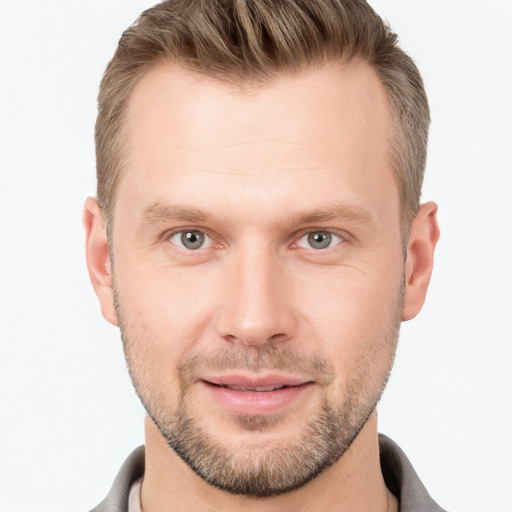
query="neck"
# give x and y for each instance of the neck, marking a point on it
(354, 483)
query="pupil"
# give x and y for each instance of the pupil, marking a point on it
(319, 240)
(192, 239)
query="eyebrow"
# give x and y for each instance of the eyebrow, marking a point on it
(349, 212)
(158, 213)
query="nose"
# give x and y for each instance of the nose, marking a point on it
(257, 307)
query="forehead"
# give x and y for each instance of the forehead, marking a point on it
(187, 132)
(312, 106)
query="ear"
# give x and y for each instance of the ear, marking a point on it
(423, 238)
(98, 258)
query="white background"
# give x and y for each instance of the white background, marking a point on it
(68, 412)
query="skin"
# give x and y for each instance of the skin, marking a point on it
(265, 168)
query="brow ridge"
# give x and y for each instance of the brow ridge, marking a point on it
(160, 213)
(351, 212)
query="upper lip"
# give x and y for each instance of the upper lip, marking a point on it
(256, 383)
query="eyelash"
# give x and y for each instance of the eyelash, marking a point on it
(338, 237)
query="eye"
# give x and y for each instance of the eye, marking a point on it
(191, 239)
(319, 240)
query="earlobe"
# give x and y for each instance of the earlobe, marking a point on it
(423, 237)
(98, 258)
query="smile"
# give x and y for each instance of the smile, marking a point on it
(255, 397)
(251, 388)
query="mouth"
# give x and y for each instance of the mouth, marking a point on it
(256, 396)
(249, 388)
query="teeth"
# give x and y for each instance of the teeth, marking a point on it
(268, 388)
(259, 388)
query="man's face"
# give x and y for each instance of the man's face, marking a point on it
(258, 268)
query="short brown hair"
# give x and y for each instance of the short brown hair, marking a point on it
(250, 42)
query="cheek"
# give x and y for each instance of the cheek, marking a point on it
(164, 316)
(355, 313)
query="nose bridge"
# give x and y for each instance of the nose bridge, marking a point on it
(257, 309)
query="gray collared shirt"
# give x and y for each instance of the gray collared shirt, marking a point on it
(399, 475)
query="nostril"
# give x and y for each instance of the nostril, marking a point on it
(277, 337)
(256, 340)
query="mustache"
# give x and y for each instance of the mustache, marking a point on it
(257, 360)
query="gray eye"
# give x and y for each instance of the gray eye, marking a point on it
(190, 239)
(319, 239)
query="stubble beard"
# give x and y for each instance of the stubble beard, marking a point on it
(264, 469)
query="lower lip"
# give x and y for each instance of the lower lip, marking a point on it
(256, 403)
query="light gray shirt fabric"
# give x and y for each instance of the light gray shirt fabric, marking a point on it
(398, 472)
(134, 497)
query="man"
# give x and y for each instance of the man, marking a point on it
(258, 239)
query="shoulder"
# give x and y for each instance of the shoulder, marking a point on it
(131, 471)
(402, 480)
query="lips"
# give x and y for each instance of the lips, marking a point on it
(253, 388)
(254, 396)
(252, 383)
